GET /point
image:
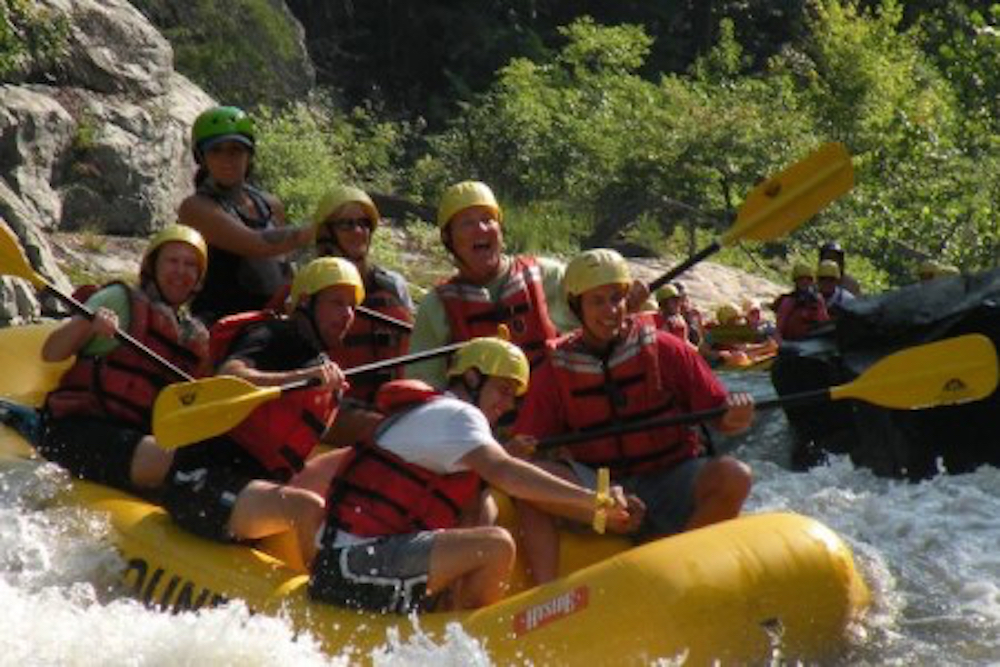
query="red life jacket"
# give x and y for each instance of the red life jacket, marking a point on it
(624, 388)
(378, 493)
(802, 315)
(522, 307)
(123, 384)
(369, 340)
(281, 433)
(674, 324)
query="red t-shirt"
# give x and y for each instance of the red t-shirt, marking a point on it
(684, 373)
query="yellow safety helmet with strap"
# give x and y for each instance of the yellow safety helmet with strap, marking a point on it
(595, 268)
(493, 357)
(466, 195)
(667, 292)
(828, 269)
(802, 270)
(727, 313)
(341, 195)
(327, 272)
(176, 233)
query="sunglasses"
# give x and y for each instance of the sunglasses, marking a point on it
(348, 224)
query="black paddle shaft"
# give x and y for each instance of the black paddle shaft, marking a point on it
(699, 256)
(120, 335)
(383, 318)
(802, 398)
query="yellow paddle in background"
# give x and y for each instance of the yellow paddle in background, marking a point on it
(948, 372)
(14, 263)
(189, 412)
(781, 203)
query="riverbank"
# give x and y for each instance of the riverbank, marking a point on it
(88, 257)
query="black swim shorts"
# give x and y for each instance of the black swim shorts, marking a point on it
(385, 574)
(93, 448)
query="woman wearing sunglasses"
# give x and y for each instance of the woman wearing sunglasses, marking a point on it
(345, 220)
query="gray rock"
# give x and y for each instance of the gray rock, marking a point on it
(112, 48)
(18, 303)
(104, 146)
(35, 133)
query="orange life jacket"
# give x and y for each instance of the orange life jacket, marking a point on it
(471, 312)
(369, 340)
(280, 433)
(123, 384)
(626, 387)
(378, 493)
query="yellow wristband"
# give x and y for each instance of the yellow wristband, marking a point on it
(602, 500)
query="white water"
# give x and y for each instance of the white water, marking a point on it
(930, 552)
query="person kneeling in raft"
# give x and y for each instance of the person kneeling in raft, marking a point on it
(618, 369)
(98, 422)
(240, 486)
(393, 539)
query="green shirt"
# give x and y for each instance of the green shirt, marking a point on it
(112, 297)
(431, 329)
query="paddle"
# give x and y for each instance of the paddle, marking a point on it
(189, 412)
(13, 262)
(383, 318)
(948, 372)
(781, 203)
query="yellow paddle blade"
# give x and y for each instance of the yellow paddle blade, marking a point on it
(12, 259)
(948, 372)
(189, 412)
(783, 202)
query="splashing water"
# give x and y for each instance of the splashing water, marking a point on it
(929, 552)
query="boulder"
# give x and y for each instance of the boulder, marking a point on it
(112, 48)
(97, 141)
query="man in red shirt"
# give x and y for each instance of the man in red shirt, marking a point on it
(619, 369)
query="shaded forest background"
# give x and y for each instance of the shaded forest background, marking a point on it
(636, 122)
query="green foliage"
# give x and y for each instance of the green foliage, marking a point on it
(29, 34)
(243, 52)
(305, 149)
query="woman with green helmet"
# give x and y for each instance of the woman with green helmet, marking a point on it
(98, 421)
(245, 227)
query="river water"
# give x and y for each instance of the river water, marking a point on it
(930, 552)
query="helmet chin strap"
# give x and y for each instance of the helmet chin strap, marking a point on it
(475, 391)
(310, 314)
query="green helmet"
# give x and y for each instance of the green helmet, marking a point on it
(220, 124)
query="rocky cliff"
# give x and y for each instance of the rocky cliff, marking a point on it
(99, 141)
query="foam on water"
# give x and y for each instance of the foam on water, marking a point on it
(929, 552)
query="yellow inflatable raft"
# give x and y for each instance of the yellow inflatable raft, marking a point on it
(727, 592)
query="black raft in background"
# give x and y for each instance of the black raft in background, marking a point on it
(894, 443)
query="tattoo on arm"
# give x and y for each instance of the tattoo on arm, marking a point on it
(279, 236)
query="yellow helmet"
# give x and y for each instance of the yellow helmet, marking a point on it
(828, 269)
(465, 195)
(595, 268)
(802, 270)
(327, 272)
(345, 194)
(727, 313)
(667, 292)
(493, 357)
(176, 233)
